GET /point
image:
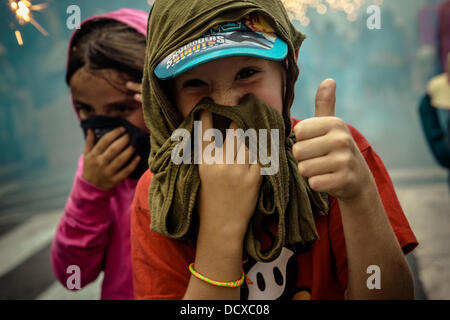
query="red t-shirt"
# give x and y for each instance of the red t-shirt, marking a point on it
(160, 264)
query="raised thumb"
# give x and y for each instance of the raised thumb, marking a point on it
(326, 99)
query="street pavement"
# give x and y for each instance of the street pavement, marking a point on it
(426, 203)
(28, 220)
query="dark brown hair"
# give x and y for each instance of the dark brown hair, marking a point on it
(107, 44)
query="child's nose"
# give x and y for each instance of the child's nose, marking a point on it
(228, 97)
(103, 112)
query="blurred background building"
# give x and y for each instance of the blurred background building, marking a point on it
(381, 75)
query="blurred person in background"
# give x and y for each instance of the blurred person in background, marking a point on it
(437, 132)
(104, 70)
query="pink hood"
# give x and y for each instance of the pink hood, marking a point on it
(137, 19)
(94, 231)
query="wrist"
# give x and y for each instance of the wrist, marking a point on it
(225, 239)
(362, 187)
(96, 183)
(219, 244)
(219, 254)
(364, 202)
(91, 187)
(223, 225)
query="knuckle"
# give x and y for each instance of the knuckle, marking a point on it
(346, 160)
(117, 162)
(343, 141)
(338, 123)
(352, 178)
(108, 138)
(296, 150)
(125, 137)
(302, 169)
(112, 150)
(298, 130)
(347, 181)
(313, 183)
(98, 161)
(112, 134)
(102, 164)
(124, 156)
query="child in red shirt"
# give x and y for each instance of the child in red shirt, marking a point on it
(365, 225)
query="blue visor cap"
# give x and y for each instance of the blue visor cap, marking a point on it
(252, 36)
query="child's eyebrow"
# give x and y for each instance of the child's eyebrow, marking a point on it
(127, 102)
(188, 72)
(246, 58)
(80, 103)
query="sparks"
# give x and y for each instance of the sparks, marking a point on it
(23, 11)
(298, 9)
(19, 38)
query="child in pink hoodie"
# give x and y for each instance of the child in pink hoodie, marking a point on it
(104, 71)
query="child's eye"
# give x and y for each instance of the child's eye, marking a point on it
(193, 83)
(246, 73)
(84, 108)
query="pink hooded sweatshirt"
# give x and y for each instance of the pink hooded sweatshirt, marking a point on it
(94, 232)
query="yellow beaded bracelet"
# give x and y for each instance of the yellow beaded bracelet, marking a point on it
(231, 284)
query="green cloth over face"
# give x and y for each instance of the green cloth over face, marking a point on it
(174, 188)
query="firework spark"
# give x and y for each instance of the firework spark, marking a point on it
(23, 11)
(19, 38)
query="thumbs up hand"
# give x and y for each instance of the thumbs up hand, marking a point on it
(326, 152)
